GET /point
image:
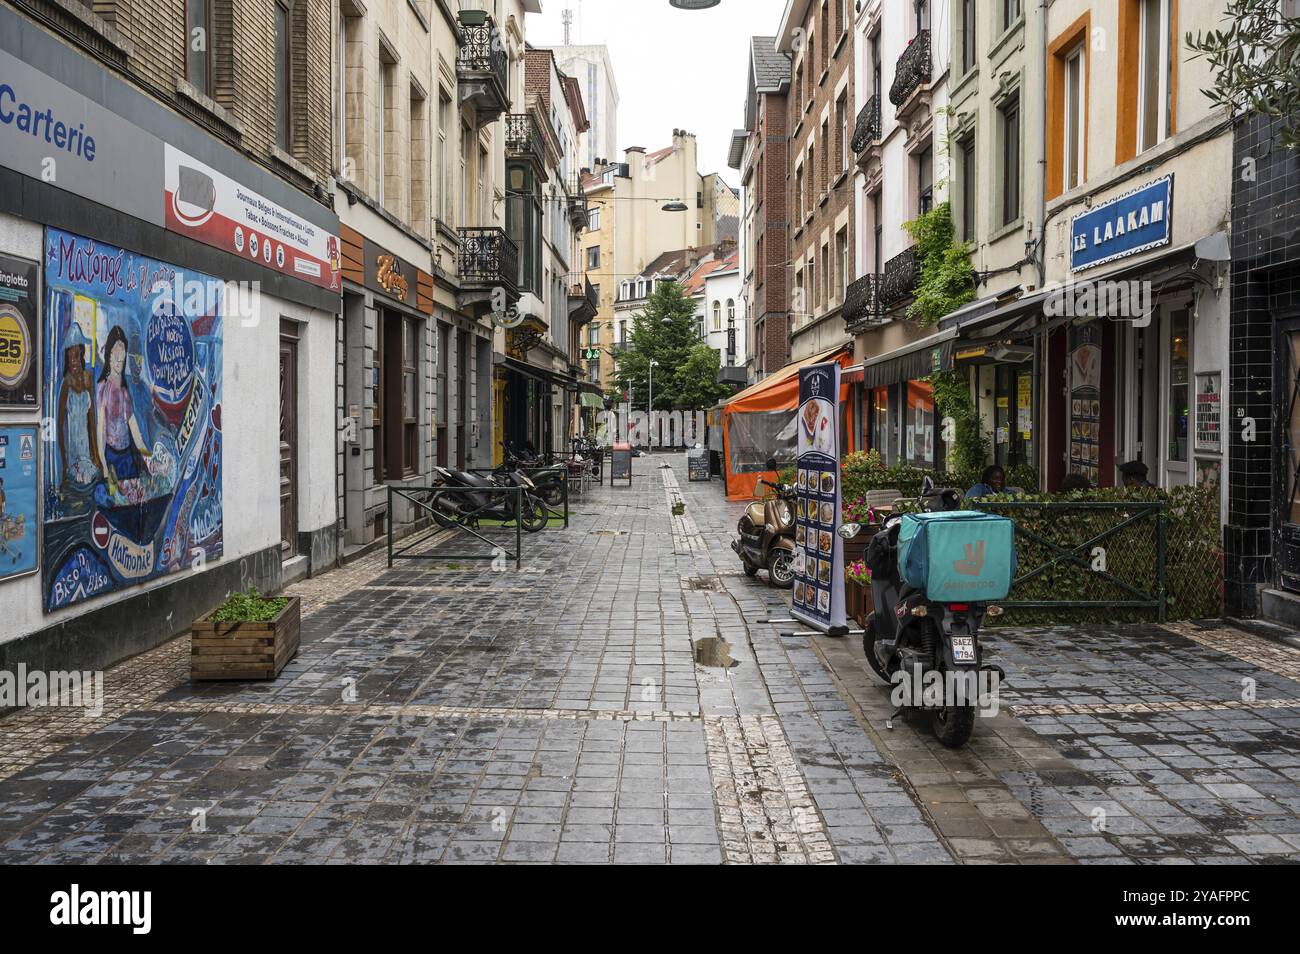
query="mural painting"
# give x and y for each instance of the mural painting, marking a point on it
(132, 467)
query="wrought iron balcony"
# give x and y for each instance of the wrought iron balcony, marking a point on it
(524, 138)
(482, 67)
(584, 303)
(900, 278)
(622, 347)
(862, 303)
(578, 213)
(913, 69)
(488, 259)
(868, 128)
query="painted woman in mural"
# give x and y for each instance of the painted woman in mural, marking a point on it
(77, 424)
(124, 449)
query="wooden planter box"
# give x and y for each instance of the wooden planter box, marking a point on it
(245, 650)
(858, 602)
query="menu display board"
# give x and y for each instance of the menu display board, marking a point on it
(1085, 401)
(697, 465)
(819, 555)
(620, 463)
(18, 342)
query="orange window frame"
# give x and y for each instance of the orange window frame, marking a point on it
(1058, 51)
(1128, 80)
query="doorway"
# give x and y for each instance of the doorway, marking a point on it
(288, 437)
(1287, 453)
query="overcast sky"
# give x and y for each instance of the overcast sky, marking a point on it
(675, 69)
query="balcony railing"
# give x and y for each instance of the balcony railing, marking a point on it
(900, 277)
(913, 69)
(584, 304)
(868, 128)
(622, 347)
(482, 66)
(488, 259)
(862, 302)
(524, 138)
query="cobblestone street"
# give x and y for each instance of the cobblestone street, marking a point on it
(453, 713)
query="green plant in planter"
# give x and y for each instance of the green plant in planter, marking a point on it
(250, 607)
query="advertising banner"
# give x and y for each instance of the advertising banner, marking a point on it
(19, 280)
(132, 472)
(819, 554)
(19, 520)
(214, 209)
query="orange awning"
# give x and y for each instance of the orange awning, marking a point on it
(776, 392)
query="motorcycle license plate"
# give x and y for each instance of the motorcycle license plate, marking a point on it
(963, 649)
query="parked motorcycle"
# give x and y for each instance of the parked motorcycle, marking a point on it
(486, 501)
(548, 479)
(767, 535)
(910, 635)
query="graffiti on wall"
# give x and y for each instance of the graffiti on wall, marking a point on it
(132, 467)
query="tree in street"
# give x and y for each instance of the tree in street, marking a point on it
(686, 373)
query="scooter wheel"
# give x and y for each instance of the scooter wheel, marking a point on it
(780, 569)
(953, 725)
(869, 650)
(535, 515)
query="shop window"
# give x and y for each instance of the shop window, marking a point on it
(1010, 121)
(968, 33)
(878, 423)
(919, 428)
(1179, 385)
(968, 185)
(524, 223)
(1013, 427)
(198, 45)
(283, 65)
(1154, 73)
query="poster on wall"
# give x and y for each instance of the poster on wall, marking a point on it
(1209, 412)
(818, 555)
(132, 469)
(1085, 401)
(19, 520)
(18, 337)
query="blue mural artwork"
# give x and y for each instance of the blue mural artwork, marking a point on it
(132, 467)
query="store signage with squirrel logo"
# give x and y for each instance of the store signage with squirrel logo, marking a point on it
(390, 276)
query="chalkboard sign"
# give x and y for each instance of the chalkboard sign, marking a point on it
(620, 465)
(697, 465)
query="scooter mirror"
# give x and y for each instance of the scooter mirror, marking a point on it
(771, 463)
(850, 530)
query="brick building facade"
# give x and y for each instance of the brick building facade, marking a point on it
(818, 37)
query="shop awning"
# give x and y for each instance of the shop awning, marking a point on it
(759, 396)
(587, 399)
(917, 359)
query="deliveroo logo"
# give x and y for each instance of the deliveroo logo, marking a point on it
(973, 563)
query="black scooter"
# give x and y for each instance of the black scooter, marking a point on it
(930, 650)
(484, 499)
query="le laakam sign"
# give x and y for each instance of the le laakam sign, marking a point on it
(1126, 225)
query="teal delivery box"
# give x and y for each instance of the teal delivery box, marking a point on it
(958, 557)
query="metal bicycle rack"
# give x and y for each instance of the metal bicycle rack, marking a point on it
(425, 497)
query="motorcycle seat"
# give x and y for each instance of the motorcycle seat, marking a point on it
(471, 480)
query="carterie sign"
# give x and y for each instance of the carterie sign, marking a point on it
(214, 209)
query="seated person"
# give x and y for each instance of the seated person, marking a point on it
(992, 481)
(1135, 474)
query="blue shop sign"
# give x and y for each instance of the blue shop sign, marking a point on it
(1126, 225)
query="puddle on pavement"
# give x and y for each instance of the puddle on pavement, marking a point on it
(714, 651)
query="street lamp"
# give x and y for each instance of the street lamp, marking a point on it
(650, 405)
(693, 4)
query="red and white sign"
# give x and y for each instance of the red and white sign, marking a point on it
(214, 209)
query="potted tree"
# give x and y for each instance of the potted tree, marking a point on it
(249, 636)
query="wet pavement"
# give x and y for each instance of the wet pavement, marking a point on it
(620, 700)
